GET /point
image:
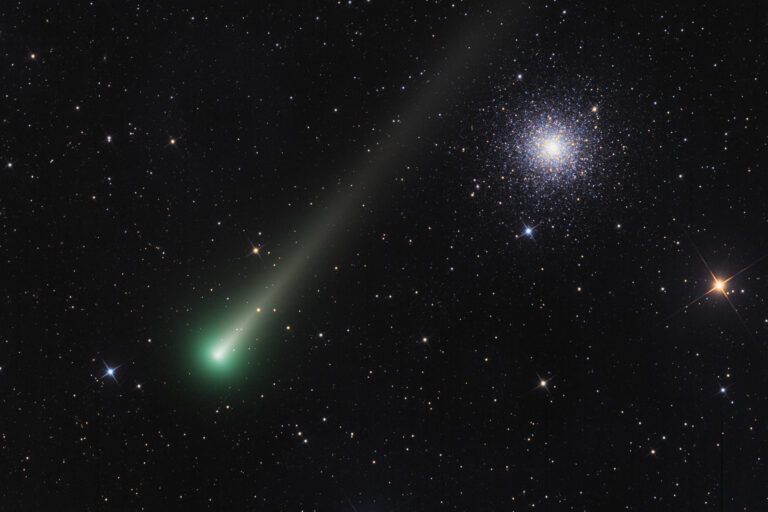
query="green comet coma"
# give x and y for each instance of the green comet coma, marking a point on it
(229, 348)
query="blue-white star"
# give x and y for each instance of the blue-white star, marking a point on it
(110, 372)
(529, 230)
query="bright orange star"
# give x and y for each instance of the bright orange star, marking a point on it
(256, 250)
(718, 285)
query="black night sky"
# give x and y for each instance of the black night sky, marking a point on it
(372, 255)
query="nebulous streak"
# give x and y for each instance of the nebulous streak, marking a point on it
(399, 143)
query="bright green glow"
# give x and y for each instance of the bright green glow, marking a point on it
(227, 347)
(216, 357)
(213, 360)
(254, 319)
(220, 363)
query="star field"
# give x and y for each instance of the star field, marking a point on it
(375, 256)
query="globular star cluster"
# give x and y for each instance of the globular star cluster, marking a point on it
(373, 255)
(552, 156)
(552, 148)
(549, 150)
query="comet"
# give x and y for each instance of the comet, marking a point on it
(327, 227)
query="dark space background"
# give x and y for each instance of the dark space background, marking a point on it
(147, 147)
